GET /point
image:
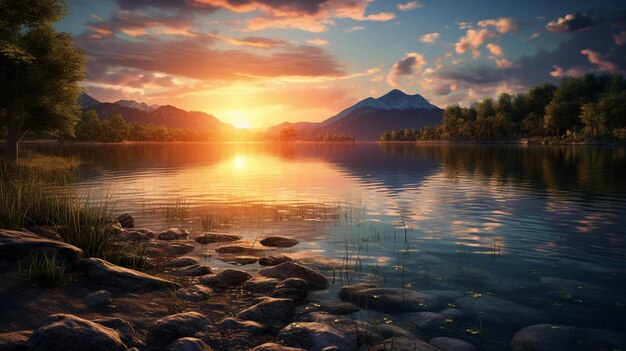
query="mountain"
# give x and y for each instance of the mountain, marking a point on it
(138, 105)
(85, 100)
(369, 118)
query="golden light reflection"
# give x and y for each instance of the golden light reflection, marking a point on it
(239, 162)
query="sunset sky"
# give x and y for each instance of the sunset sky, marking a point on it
(256, 63)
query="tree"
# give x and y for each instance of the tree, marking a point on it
(39, 70)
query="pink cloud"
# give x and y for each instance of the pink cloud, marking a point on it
(597, 59)
(411, 5)
(620, 39)
(473, 40)
(411, 64)
(430, 38)
(503, 25)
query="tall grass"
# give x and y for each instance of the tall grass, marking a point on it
(43, 270)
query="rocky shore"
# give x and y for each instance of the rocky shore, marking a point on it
(181, 303)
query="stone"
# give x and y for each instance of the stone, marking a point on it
(98, 298)
(250, 327)
(14, 341)
(426, 320)
(178, 248)
(126, 220)
(243, 260)
(233, 277)
(387, 299)
(499, 311)
(278, 241)
(140, 234)
(46, 232)
(188, 344)
(572, 290)
(549, 337)
(170, 328)
(270, 346)
(172, 234)
(317, 337)
(261, 285)
(124, 329)
(194, 293)
(274, 260)
(333, 307)
(314, 279)
(16, 245)
(451, 344)
(210, 238)
(194, 270)
(236, 249)
(182, 262)
(106, 273)
(270, 311)
(402, 343)
(291, 288)
(66, 332)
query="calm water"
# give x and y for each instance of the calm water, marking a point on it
(541, 227)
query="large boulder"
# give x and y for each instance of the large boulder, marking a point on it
(15, 245)
(66, 332)
(278, 241)
(172, 234)
(292, 288)
(98, 298)
(14, 341)
(270, 311)
(170, 328)
(387, 299)
(126, 220)
(122, 327)
(549, 337)
(209, 238)
(270, 346)
(274, 260)
(106, 273)
(314, 279)
(188, 344)
(317, 337)
(261, 285)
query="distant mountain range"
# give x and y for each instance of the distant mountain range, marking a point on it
(168, 116)
(369, 118)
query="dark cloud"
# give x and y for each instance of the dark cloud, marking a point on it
(176, 5)
(571, 23)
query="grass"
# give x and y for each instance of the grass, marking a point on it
(44, 270)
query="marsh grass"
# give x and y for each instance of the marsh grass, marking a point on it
(174, 304)
(44, 270)
(177, 209)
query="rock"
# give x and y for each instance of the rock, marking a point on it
(403, 344)
(233, 277)
(194, 270)
(261, 285)
(188, 344)
(333, 307)
(137, 235)
(126, 220)
(270, 346)
(451, 344)
(194, 293)
(426, 320)
(317, 337)
(209, 238)
(572, 290)
(277, 241)
(46, 232)
(106, 273)
(124, 329)
(387, 299)
(66, 332)
(172, 234)
(250, 327)
(170, 328)
(292, 288)
(98, 298)
(15, 245)
(236, 249)
(243, 260)
(274, 260)
(182, 262)
(314, 279)
(270, 311)
(178, 248)
(500, 311)
(14, 341)
(548, 337)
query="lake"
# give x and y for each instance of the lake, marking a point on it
(505, 235)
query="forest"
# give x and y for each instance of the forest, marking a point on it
(589, 107)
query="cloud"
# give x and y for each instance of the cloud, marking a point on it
(597, 59)
(255, 42)
(620, 39)
(430, 38)
(473, 40)
(495, 50)
(571, 23)
(318, 41)
(504, 63)
(411, 5)
(559, 72)
(503, 25)
(411, 64)
(356, 28)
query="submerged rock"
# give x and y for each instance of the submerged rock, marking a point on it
(172, 234)
(194, 270)
(106, 273)
(548, 337)
(387, 299)
(178, 248)
(188, 344)
(15, 245)
(195, 293)
(98, 298)
(402, 343)
(242, 260)
(270, 346)
(182, 262)
(136, 235)
(274, 260)
(126, 220)
(573, 290)
(317, 337)
(277, 241)
(261, 285)
(292, 288)
(235, 249)
(314, 279)
(451, 344)
(170, 328)
(270, 311)
(14, 341)
(209, 238)
(66, 332)
(426, 320)
(500, 311)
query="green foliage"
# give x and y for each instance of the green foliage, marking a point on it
(43, 269)
(580, 107)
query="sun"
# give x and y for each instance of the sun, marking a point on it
(241, 124)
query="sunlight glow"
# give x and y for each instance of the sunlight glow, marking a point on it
(239, 162)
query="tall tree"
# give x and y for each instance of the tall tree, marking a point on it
(39, 70)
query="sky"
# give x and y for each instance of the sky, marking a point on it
(257, 63)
